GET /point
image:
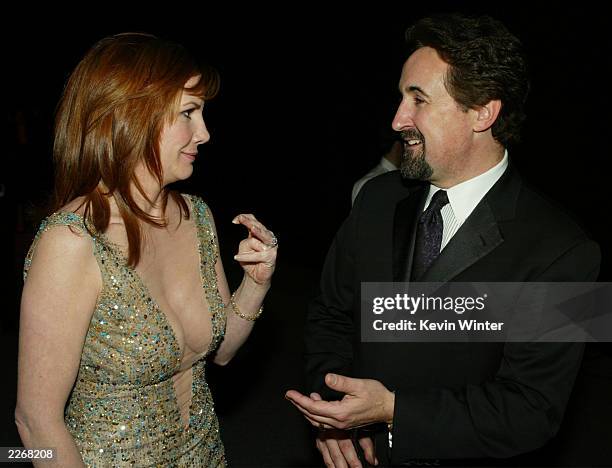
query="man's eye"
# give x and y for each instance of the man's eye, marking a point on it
(418, 100)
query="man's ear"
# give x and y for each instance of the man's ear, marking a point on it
(486, 115)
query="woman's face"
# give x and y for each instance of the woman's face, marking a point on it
(179, 139)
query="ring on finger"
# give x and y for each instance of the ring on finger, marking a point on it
(273, 243)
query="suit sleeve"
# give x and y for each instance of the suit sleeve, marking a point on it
(329, 329)
(517, 411)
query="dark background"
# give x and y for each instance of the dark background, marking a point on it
(304, 93)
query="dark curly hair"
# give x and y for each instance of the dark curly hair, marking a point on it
(485, 61)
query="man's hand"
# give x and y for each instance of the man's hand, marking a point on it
(337, 448)
(338, 451)
(365, 402)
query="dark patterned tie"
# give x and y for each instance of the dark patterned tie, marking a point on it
(428, 235)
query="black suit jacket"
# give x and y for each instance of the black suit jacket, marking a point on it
(452, 400)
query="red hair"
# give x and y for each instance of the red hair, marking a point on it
(110, 118)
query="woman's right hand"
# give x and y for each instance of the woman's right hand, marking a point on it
(257, 253)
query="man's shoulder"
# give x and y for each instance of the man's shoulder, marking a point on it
(516, 200)
(544, 212)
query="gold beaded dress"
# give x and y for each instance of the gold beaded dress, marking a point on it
(123, 409)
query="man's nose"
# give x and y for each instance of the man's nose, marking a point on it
(403, 117)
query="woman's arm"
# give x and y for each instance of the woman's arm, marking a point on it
(58, 300)
(258, 259)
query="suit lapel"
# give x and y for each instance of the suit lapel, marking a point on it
(404, 228)
(477, 237)
(480, 233)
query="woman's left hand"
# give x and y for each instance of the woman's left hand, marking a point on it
(256, 253)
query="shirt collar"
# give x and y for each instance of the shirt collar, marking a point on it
(464, 197)
(387, 165)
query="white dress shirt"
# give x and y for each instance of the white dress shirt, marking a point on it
(463, 198)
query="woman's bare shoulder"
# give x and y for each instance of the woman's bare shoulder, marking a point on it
(62, 242)
(62, 259)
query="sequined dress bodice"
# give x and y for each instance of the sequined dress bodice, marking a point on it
(123, 410)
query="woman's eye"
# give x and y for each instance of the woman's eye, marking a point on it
(187, 113)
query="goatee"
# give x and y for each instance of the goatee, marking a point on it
(413, 164)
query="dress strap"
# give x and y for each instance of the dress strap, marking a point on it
(206, 231)
(209, 254)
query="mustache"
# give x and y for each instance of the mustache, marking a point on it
(412, 134)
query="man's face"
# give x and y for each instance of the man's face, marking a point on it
(437, 134)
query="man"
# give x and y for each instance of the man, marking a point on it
(463, 88)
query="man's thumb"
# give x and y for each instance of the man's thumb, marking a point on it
(338, 382)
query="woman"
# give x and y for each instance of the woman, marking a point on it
(125, 295)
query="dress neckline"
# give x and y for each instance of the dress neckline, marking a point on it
(115, 249)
